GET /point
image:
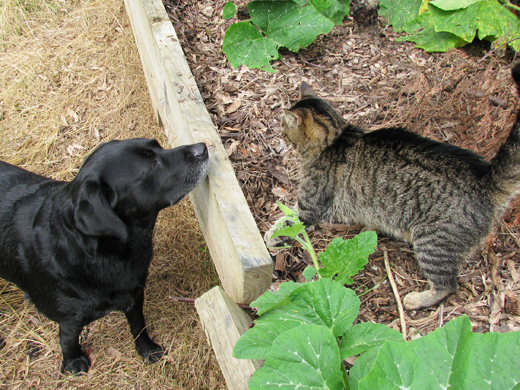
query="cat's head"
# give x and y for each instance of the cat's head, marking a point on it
(311, 125)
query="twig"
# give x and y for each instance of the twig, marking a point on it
(396, 293)
(441, 315)
(192, 300)
(498, 44)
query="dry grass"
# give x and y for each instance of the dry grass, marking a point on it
(70, 78)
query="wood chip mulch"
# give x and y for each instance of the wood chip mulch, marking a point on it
(464, 97)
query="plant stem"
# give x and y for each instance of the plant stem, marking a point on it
(507, 3)
(345, 377)
(375, 286)
(307, 245)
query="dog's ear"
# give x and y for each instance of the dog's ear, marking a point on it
(94, 215)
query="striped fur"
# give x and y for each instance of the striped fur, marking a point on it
(443, 199)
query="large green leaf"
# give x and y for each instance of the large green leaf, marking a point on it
(487, 17)
(256, 343)
(323, 302)
(335, 10)
(346, 258)
(462, 23)
(399, 13)
(450, 5)
(450, 357)
(244, 44)
(306, 357)
(422, 31)
(271, 300)
(447, 24)
(287, 24)
(365, 336)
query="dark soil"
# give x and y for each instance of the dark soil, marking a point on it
(464, 97)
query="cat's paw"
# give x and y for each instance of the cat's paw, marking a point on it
(421, 300)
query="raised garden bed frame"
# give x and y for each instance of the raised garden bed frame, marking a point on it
(236, 247)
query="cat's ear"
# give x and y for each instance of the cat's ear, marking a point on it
(292, 119)
(306, 90)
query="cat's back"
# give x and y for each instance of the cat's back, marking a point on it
(402, 150)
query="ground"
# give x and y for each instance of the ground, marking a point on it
(72, 78)
(464, 97)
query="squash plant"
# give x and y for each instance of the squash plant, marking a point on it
(433, 25)
(305, 330)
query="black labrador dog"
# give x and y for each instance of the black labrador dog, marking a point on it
(81, 249)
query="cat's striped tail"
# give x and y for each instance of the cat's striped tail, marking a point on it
(505, 170)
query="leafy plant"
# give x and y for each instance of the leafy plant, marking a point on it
(439, 25)
(229, 10)
(305, 330)
(300, 325)
(434, 25)
(276, 24)
(449, 357)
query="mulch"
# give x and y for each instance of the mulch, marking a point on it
(464, 97)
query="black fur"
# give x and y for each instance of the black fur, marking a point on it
(81, 249)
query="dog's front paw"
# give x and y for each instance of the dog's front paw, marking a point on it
(150, 351)
(76, 366)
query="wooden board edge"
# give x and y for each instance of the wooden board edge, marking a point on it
(236, 247)
(224, 322)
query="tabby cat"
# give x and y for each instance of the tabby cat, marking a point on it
(442, 198)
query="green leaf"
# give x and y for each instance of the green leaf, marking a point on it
(451, 23)
(286, 210)
(309, 272)
(462, 23)
(334, 10)
(244, 44)
(365, 336)
(287, 24)
(399, 13)
(426, 38)
(495, 20)
(290, 231)
(346, 258)
(256, 343)
(270, 300)
(323, 302)
(229, 10)
(450, 5)
(307, 357)
(487, 17)
(449, 357)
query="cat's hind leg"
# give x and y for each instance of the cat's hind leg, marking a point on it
(440, 265)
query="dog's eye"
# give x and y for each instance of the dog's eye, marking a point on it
(148, 153)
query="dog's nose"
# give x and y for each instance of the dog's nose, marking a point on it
(199, 151)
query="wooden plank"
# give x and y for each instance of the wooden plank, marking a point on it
(224, 322)
(235, 244)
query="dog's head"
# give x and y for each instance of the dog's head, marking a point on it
(123, 182)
